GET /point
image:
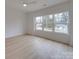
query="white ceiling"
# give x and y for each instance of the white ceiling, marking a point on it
(33, 4)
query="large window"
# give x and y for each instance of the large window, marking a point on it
(54, 22)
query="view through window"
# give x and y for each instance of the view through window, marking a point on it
(54, 22)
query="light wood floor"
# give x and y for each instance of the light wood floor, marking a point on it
(31, 47)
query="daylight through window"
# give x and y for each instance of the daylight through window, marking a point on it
(54, 22)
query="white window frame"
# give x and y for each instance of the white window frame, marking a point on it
(35, 23)
(67, 31)
(53, 23)
(47, 24)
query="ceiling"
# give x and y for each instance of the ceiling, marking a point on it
(33, 5)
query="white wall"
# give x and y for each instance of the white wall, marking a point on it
(67, 6)
(16, 22)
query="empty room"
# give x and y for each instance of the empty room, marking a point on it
(39, 29)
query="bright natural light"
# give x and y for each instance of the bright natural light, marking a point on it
(61, 22)
(48, 24)
(53, 23)
(38, 23)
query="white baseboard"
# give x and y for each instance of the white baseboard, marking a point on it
(10, 36)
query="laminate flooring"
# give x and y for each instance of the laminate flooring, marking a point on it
(32, 47)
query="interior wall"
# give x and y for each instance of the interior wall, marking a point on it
(16, 22)
(66, 6)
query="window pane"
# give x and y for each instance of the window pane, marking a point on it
(39, 19)
(63, 28)
(48, 26)
(38, 23)
(48, 22)
(38, 26)
(50, 16)
(48, 29)
(61, 17)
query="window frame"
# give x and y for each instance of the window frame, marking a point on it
(53, 23)
(63, 23)
(37, 23)
(46, 24)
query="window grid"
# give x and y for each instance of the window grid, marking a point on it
(56, 22)
(63, 19)
(38, 23)
(47, 23)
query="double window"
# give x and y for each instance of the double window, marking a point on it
(54, 22)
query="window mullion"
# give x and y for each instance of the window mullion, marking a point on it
(53, 26)
(43, 24)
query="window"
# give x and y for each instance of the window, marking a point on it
(54, 22)
(61, 22)
(48, 24)
(38, 23)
